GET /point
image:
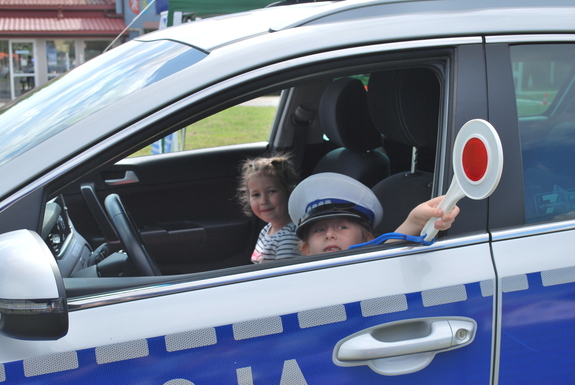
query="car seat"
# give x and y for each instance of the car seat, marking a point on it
(404, 105)
(345, 120)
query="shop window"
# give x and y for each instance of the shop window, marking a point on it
(4, 71)
(23, 65)
(60, 57)
(93, 48)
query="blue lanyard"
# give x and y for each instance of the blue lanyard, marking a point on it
(382, 238)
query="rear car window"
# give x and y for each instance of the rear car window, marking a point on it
(544, 77)
(249, 122)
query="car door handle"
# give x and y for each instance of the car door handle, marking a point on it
(129, 177)
(405, 346)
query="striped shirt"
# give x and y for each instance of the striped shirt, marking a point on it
(282, 244)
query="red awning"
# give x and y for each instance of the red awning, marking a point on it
(55, 4)
(23, 26)
(35, 18)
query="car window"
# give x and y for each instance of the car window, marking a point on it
(544, 78)
(247, 122)
(184, 206)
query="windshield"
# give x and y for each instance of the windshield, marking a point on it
(44, 112)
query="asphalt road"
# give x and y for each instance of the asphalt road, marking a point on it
(263, 101)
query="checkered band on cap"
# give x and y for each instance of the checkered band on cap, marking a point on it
(332, 205)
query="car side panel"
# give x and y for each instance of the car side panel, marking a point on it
(274, 330)
(535, 267)
(537, 278)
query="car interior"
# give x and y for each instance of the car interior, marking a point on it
(175, 214)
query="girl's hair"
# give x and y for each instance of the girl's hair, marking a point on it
(280, 166)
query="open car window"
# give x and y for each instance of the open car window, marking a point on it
(183, 205)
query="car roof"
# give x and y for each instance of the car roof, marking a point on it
(215, 32)
(207, 34)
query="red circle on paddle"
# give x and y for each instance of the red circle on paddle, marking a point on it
(474, 159)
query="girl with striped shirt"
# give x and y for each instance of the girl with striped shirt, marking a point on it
(264, 190)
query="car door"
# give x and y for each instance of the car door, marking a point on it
(401, 313)
(222, 334)
(531, 93)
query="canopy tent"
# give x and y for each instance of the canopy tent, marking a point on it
(207, 7)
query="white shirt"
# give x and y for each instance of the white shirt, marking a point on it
(282, 244)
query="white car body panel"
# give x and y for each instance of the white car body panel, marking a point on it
(202, 308)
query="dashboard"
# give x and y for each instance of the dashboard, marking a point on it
(56, 229)
(69, 248)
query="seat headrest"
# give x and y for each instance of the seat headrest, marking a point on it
(404, 105)
(344, 116)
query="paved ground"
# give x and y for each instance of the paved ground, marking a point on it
(264, 101)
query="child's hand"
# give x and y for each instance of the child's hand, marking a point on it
(419, 216)
(445, 220)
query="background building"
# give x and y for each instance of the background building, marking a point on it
(141, 16)
(41, 39)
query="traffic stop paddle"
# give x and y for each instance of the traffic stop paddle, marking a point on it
(477, 164)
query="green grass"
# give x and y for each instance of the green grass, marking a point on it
(235, 125)
(239, 124)
(531, 103)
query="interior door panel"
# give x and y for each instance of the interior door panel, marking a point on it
(183, 204)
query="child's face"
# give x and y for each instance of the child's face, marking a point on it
(333, 234)
(268, 199)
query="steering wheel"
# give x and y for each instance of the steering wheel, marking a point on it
(130, 237)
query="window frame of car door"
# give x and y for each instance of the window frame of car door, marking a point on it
(506, 207)
(467, 100)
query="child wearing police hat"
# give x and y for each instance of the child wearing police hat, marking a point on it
(333, 212)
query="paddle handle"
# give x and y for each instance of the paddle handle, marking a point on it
(454, 194)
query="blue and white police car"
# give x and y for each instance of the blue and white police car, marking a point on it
(377, 90)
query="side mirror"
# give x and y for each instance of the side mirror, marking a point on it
(33, 304)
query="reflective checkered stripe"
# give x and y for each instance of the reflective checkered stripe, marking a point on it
(538, 313)
(128, 361)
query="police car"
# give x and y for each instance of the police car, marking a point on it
(377, 90)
